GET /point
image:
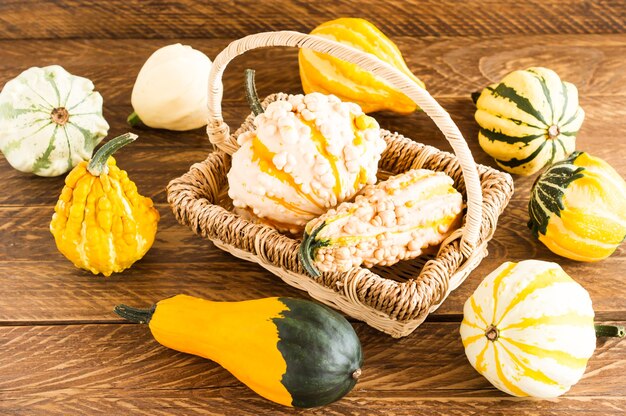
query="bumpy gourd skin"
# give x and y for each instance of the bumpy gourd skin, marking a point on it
(306, 154)
(101, 223)
(388, 222)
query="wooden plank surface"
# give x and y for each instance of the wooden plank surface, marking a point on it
(92, 369)
(114, 19)
(64, 352)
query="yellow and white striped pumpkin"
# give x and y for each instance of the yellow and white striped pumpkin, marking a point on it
(528, 328)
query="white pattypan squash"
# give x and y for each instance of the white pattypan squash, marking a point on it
(171, 89)
(528, 328)
(306, 155)
(50, 120)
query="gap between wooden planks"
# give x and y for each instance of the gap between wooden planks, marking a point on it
(84, 369)
(450, 66)
(174, 18)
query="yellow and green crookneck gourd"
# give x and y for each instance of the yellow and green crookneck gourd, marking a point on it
(290, 351)
(528, 328)
(305, 155)
(577, 208)
(50, 120)
(100, 222)
(528, 120)
(391, 221)
(323, 73)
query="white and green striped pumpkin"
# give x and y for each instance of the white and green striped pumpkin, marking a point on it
(528, 120)
(528, 328)
(50, 120)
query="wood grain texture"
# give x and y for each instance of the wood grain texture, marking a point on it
(63, 351)
(158, 156)
(53, 370)
(32, 271)
(114, 19)
(450, 66)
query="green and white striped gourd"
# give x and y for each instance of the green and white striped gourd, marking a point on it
(50, 120)
(528, 120)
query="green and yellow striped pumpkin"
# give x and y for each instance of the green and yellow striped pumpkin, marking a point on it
(528, 328)
(577, 208)
(528, 120)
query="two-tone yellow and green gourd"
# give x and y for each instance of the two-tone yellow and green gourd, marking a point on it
(577, 208)
(394, 220)
(529, 329)
(101, 223)
(323, 73)
(528, 120)
(291, 351)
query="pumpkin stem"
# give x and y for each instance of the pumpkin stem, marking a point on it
(60, 116)
(356, 374)
(492, 333)
(133, 120)
(136, 315)
(251, 94)
(308, 247)
(553, 131)
(98, 162)
(616, 331)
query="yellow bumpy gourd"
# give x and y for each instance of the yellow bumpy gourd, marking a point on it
(328, 75)
(100, 222)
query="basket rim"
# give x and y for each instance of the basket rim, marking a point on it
(192, 204)
(218, 130)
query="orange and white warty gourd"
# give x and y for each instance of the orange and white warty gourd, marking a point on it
(528, 328)
(394, 220)
(306, 155)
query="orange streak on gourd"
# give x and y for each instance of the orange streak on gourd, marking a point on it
(263, 156)
(321, 144)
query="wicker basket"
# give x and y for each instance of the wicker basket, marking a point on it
(395, 299)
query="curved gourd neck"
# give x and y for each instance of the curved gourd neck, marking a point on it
(97, 164)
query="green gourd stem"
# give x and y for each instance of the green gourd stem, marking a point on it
(615, 331)
(98, 162)
(134, 120)
(136, 315)
(308, 247)
(251, 94)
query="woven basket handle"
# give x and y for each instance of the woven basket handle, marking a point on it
(219, 133)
